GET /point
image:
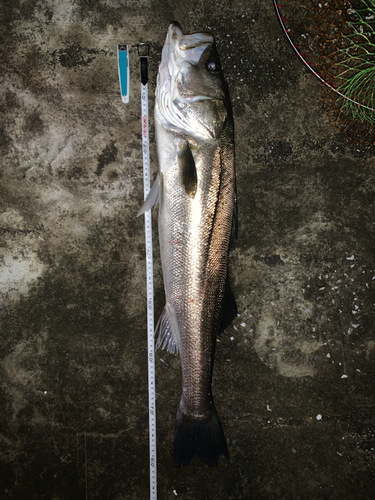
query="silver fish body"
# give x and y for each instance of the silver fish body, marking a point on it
(196, 195)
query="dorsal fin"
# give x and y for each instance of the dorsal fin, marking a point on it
(229, 308)
(234, 232)
(188, 171)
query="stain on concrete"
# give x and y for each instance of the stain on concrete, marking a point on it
(106, 157)
(33, 124)
(293, 376)
(74, 55)
(5, 140)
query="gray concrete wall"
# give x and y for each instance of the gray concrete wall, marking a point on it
(74, 422)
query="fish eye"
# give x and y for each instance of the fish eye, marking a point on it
(213, 66)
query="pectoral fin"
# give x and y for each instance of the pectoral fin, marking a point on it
(188, 171)
(152, 197)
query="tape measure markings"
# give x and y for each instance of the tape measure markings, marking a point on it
(123, 71)
(149, 271)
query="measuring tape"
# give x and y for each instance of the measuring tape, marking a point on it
(143, 50)
(123, 70)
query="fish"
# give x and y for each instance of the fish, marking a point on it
(197, 225)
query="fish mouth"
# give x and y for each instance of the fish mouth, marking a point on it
(188, 42)
(178, 50)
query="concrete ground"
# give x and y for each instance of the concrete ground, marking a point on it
(294, 375)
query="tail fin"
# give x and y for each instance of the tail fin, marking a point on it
(204, 438)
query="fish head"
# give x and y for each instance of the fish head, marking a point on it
(191, 96)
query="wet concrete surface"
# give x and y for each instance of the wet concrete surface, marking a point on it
(294, 375)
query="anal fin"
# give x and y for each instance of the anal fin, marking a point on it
(165, 333)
